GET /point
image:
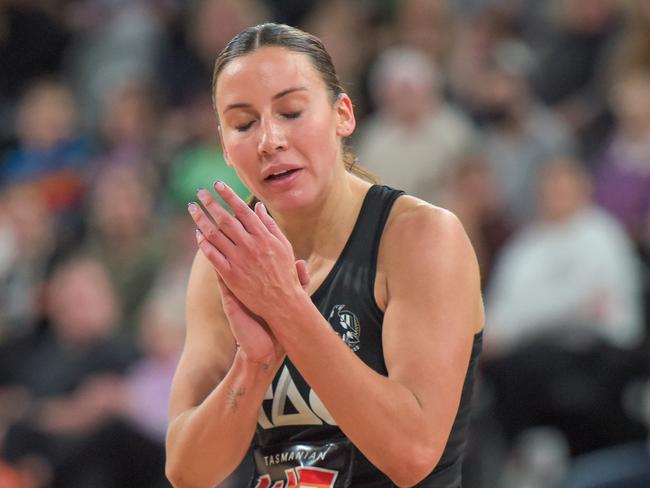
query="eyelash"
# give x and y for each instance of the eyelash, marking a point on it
(287, 115)
(291, 115)
(244, 127)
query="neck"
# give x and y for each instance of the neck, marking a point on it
(324, 227)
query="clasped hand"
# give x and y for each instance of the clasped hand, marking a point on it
(254, 262)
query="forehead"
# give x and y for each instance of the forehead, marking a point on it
(264, 73)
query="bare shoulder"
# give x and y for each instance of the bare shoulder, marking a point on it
(425, 251)
(209, 344)
(417, 227)
(414, 221)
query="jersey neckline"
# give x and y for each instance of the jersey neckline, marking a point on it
(348, 243)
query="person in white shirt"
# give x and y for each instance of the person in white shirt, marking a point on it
(572, 272)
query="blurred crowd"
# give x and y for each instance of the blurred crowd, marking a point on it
(529, 120)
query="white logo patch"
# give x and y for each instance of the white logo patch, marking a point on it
(349, 324)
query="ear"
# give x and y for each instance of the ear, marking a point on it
(346, 122)
(223, 147)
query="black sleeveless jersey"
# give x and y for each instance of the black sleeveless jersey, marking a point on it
(297, 442)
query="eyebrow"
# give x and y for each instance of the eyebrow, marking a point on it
(274, 97)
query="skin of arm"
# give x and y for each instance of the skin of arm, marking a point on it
(216, 392)
(433, 307)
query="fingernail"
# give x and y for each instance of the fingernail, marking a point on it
(219, 185)
(259, 205)
(198, 234)
(191, 206)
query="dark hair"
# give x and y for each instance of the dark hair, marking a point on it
(293, 39)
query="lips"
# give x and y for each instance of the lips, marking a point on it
(278, 172)
(282, 179)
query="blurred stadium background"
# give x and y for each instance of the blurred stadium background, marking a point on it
(529, 119)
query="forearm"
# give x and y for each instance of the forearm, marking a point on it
(382, 417)
(207, 442)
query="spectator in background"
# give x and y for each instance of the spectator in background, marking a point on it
(50, 154)
(572, 267)
(623, 181)
(32, 46)
(56, 375)
(519, 134)
(415, 137)
(123, 413)
(124, 235)
(564, 311)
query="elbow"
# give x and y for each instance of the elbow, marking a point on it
(173, 477)
(175, 470)
(182, 478)
(414, 464)
(176, 477)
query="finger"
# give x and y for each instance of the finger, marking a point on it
(242, 211)
(209, 230)
(303, 275)
(228, 224)
(269, 223)
(215, 257)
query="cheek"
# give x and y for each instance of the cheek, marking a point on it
(241, 151)
(318, 137)
(242, 157)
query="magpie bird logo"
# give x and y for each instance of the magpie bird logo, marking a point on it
(347, 325)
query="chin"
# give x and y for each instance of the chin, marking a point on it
(290, 201)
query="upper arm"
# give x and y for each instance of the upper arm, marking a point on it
(209, 344)
(433, 308)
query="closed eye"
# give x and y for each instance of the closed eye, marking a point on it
(291, 115)
(244, 127)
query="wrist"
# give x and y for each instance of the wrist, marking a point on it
(267, 366)
(285, 318)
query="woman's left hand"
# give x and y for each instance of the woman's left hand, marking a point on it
(248, 250)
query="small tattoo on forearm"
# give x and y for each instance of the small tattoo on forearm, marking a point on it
(232, 397)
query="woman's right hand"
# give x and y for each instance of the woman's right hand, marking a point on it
(256, 341)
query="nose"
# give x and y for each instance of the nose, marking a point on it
(273, 138)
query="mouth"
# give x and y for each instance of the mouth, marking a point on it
(281, 175)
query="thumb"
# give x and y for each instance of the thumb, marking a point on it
(303, 275)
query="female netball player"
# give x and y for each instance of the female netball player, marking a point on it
(335, 324)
